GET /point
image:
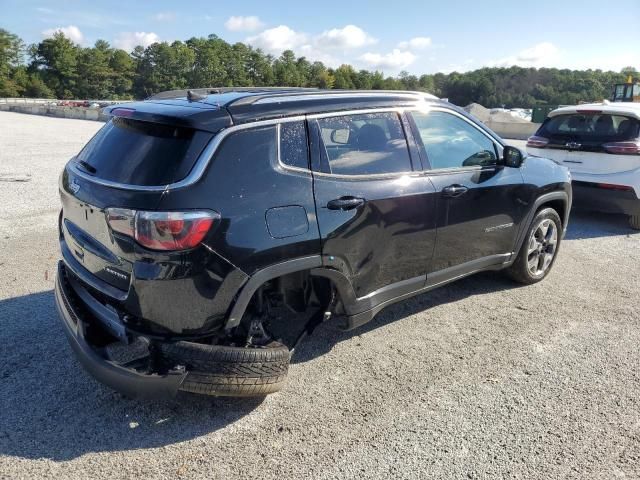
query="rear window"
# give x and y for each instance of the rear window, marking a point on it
(142, 153)
(591, 127)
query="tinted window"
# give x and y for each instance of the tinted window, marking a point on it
(365, 144)
(294, 150)
(451, 142)
(247, 148)
(590, 127)
(142, 153)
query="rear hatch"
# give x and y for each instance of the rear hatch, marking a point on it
(588, 142)
(130, 163)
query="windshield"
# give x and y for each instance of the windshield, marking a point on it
(142, 153)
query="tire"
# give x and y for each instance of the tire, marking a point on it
(531, 266)
(229, 371)
(634, 222)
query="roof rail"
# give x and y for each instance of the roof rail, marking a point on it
(218, 90)
(278, 96)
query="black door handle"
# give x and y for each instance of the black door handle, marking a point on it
(345, 203)
(454, 190)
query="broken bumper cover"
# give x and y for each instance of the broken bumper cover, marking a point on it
(125, 380)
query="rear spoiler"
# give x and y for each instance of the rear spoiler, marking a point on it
(175, 114)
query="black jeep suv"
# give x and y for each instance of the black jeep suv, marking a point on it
(192, 220)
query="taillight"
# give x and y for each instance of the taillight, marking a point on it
(537, 142)
(162, 230)
(623, 148)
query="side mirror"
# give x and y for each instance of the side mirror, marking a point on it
(340, 136)
(512, 157)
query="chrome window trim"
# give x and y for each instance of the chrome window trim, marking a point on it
(359, 111)
(200, 165)
(369, 176)
(497, 145)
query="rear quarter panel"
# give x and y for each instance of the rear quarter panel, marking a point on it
(244, 186)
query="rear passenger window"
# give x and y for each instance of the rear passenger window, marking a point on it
(365, 144)
(250, 149)
(451, 142)
(294, 150)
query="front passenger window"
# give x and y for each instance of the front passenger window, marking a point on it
(451, 142)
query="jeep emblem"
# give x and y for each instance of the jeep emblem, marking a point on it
(74, 186)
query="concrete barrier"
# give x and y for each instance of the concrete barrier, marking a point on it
(26, 101)
(513, 130)
(79, 113)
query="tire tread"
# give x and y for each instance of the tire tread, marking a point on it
(230, 371)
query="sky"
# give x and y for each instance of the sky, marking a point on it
(416, 36)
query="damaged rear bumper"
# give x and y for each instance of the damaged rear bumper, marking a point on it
(95, 359)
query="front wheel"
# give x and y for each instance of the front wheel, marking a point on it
(539, 250)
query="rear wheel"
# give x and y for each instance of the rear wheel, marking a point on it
(634, 222)
(539, 250)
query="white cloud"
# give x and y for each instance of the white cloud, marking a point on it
(72, 32)
(244, 24)
(323, 47)
(275, 40)
(129, 40)
(318, 55)
(347, 37)
(44, 10)
(416, 43)
(544, 54)
(395, 60)
(331, 46)
(164, 16)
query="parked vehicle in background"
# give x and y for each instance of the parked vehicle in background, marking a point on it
(190, 218)
(600, 144)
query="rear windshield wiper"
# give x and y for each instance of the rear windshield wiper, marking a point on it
(89, 168)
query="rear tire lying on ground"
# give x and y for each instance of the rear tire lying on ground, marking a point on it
(539, 249)
(634, 222)
(230, 371)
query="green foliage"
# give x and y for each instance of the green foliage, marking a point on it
(56, 59)
(11, 52)
(59, 68)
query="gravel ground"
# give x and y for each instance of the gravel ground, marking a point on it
(480, 379)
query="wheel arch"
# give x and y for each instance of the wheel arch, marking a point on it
(262, 276)
(558, 200)
(559, 205)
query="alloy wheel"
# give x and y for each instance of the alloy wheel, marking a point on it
(542, 247)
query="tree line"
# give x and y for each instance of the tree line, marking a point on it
(56, 67)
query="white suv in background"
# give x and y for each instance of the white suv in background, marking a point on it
(600, 144)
